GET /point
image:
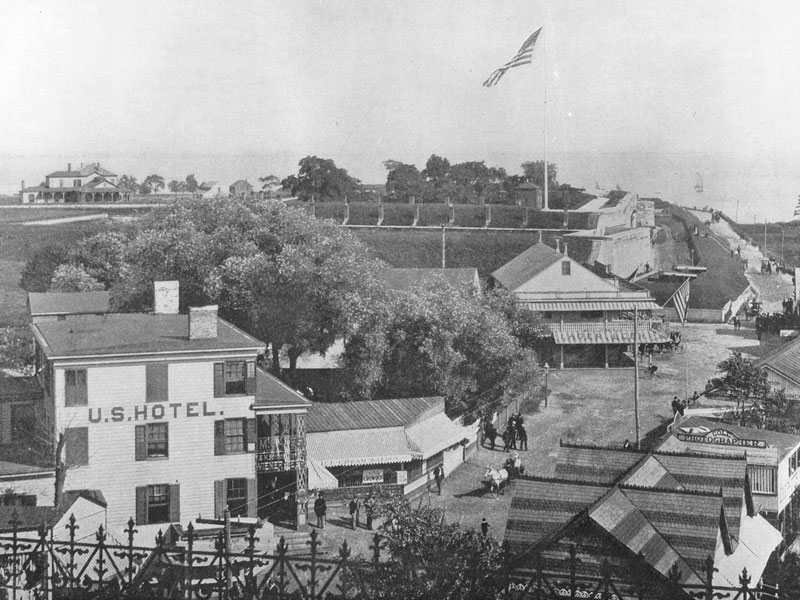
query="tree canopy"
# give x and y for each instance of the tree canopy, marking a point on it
(743, 377)
(320, 179)
(285, 277)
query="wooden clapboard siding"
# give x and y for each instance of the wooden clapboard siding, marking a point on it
(39, 485)
(192, 463)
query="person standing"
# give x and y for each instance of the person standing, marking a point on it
(438, 475)
(355, 510)
(369, 507)
(484, 527)
(320, 509)
(523, 436)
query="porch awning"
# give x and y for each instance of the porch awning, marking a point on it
(435, 434)
(587, 305)
(319, 478)
(646, 336)
(351, 447)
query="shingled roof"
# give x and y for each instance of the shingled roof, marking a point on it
(785, 361)
(370, 414)
(527, 265)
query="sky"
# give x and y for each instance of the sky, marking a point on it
(643, 94)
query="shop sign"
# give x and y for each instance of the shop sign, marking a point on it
(372, 476)
(721, 437)
(402, 477)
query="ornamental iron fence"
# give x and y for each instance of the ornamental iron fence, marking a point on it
(41, 567)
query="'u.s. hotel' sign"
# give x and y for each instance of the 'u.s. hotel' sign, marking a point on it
(721, 437)
(152, 412)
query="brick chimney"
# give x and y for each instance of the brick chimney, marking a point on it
(203, 322)
(166, 297)
(69, 166)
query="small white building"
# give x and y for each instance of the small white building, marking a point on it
(89, 183)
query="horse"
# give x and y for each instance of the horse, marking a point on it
(495, 479)
(489, 433)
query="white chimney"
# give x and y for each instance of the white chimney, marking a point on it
(69, 166)
(565, 249)
(203, 322)
(558, 245)
(166, 297)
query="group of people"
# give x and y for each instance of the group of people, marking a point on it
(513, 433)
(321, 510)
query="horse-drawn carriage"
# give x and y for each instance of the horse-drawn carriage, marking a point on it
(495, 480)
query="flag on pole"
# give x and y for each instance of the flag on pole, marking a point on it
(522, 57)
(681, 300)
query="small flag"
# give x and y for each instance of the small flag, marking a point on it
(522, 57)
(681, 299)
(796, 210)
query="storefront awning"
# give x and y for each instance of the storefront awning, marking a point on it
(435, 434)
(645, 336)
(319, 478)
(351, 447)
(587, 305)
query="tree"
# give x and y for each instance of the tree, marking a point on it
(191, 183)
(71, 278)
(436, 170)
(321, 179)
(431, 558)
(269, 183)
(129, 182)
(534, 173)
(404, 182)
(743, 378)
(174, 186)
(283, 276)
(435, 340)
(154, 182)
(39, 269)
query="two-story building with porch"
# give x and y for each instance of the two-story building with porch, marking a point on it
(89, 183)
(590, 317)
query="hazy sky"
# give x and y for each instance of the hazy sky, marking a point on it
(641, 93)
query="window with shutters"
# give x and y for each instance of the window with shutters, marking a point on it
(76, 446)
(157, 440)
(157, 382)
(158, 504)
(237, 378)
(236, 495)
(565, 268)
(762, 479)
(75, 387)
(235, 436)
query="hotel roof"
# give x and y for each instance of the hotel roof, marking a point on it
(68, 303)
(115, 334)
(526, 266)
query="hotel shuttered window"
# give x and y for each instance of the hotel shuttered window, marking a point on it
(152, 441)
(236, 378)
(75, 387)
(76, 447)
(158, 504)
(234, 436)
(762, 479)
(239, 495)
(157, 382)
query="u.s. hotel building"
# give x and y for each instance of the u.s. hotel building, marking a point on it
(156, 410)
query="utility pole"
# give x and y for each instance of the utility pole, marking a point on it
(444, 247)
(636, 373)
(765, 234)
(737, 211)
(782, 235)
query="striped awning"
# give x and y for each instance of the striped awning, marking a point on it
(587, 305)
(319, 478)
(645, 336)
(351, 447)
(435, 434)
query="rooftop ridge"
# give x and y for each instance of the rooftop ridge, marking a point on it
(689, 491)
(587, 446)
(557, 480)
(700, 454)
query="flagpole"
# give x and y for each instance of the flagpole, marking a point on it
(636, 373)
(546, 186)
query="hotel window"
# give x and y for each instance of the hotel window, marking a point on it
(152, 441)
(234, 436)
(76, 183)
(157, 504)
(234, 378)
(76, 446)
(75, 387)
(565, 266)
(762, 479)
(238, 494)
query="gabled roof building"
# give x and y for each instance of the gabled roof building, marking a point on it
(659, 516)
(590, 317)
(89, 183)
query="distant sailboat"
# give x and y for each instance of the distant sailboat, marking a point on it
(796, 216)
(698, 187)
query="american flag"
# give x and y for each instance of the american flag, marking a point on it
(796, 216)
(522, 57)
(681, 299)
